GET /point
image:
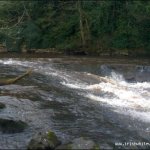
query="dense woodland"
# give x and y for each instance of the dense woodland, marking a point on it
(96, 27)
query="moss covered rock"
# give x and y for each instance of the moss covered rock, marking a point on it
(11, 126)
(44, 141)
(80, 143)
(2, 105)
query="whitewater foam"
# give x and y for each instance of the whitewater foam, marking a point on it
(131, 99)
(128, 96)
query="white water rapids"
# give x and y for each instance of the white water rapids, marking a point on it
(132, 99)
(106, 100)
(129, 98)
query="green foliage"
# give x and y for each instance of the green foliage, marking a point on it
(31, 34)
(12, 45)
(57, 24)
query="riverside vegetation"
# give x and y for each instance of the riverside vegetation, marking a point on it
(95, 27)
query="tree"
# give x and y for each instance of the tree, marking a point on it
(98, 27)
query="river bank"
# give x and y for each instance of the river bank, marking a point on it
(63, 55)
(30, 55)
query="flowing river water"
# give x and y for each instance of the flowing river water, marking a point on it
(68, 96)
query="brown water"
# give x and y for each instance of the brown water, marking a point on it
(67, 96)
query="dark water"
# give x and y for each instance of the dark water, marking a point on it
(68, 97)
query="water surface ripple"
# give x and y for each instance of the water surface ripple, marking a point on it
(68, 96)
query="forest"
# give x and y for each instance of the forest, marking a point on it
(96, 27)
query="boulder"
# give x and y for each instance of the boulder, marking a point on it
(80, 143)
(2, 105)
(43, 141)
(11, 126)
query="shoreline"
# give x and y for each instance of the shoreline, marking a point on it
(62, 55)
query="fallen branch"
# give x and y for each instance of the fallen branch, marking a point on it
(14, 80)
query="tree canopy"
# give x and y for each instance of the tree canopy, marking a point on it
(97, 27)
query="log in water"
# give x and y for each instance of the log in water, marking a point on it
(14, 80)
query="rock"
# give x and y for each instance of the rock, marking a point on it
(80, 143)
(107, 146)
(2, 105)
(11, 126)
(64, 147)
(44, 141)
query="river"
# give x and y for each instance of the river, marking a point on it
(68, 96)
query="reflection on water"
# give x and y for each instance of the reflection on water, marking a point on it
(106, 100)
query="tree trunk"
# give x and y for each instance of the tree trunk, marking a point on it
(81, 22)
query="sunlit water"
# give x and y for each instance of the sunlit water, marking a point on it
(69, 97)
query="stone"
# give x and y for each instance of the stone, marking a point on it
(80, 143)
(2, 105)
(11, 126)
(43, 141)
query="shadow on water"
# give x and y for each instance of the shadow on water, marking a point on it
(65, 95)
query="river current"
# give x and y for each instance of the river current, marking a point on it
(105, 100)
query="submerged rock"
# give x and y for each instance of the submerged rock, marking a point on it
(2, 105)
(44, 141)
(79, 143)
(11, 126)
